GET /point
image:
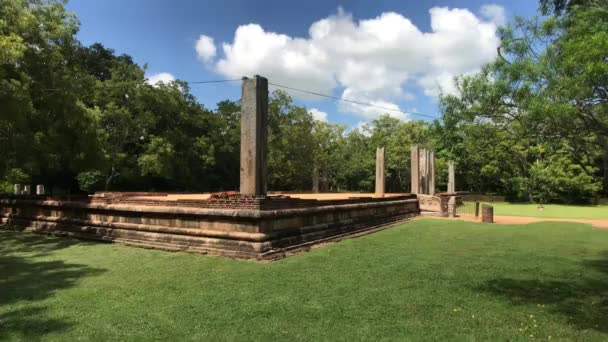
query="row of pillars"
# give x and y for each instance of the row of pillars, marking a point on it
(20, 189)
(254, 149)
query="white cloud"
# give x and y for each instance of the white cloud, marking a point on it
(163, 77)
(494, 13)
(318, 115)
(205, 48)
(369, 60)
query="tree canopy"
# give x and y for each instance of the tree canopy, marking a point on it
(532, 125)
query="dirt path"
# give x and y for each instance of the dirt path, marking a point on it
(525, 220)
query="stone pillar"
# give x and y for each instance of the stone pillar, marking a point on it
(415, 170)
(315, 180)
(487, 213)
(254, 136)
(452, 207)
(451, 178)
(431, 172)
(380, 171)
(476, 209)
(17, 189)
(26, 190)
(39, 189)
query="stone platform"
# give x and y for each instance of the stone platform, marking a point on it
(227, 224)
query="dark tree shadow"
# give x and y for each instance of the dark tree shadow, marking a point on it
(583, 301)
(26, 281)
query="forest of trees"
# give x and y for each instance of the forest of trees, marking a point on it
(533, 125)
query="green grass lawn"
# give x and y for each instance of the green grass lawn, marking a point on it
(593, 212)
(425, 280)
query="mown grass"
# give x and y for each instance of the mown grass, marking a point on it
(593, 212)
(425, 280)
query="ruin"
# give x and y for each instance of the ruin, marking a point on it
(252, 223)
(422, 171)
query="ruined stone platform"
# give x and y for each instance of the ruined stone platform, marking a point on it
(227, 224)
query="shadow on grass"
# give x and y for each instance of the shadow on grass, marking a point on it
(25, 280)
(583, 301)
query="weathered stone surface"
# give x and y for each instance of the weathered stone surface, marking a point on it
(254, 136)
(40, 189)
(238, 232)
(380, 174)
(27, 190)
(17, 189)
(451, 178)
(487, 213)
(431, 172)
(452, 207)
(415, 169)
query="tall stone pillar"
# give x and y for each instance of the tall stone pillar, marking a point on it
(423, 170)
(254, 136)
(380, 171)
(415, 170)
(431, 172)
(17, 189)
(451, 178)
(315, 180)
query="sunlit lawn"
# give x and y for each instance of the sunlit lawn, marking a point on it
(594, 212)
(425, 280)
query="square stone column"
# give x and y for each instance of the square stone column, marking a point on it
(431, 172)
(254, 136)
(451, 178)
(380, 171)
(415, 170)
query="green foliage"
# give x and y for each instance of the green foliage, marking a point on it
(89, 180)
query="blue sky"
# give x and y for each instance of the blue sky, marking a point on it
(395, 54)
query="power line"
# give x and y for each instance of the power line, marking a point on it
(214, 81)
(352, 101)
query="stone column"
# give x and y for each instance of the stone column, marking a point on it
(415, 170)
(380, 171)
(431, 172)
(451, 178)
(39, 189)
(254, 136)
(452, 207)
(17, 189)
(315, 180)
(26, 190)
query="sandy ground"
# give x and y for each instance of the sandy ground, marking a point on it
(525, 220)
(320, 196)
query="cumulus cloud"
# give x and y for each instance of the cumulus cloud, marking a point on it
(163, 77)
(318, 115)
(205, 48)
(369, 60)
(494, 13)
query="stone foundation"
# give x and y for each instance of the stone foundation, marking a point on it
(259, 227)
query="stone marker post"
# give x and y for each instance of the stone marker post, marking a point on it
(39, 189)
(415, 170)
(27, 189)
(476, 209)
(17, 189)
(380, 171)
(451, 178)
(254, 136)
(487, 213)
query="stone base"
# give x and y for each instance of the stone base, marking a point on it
(231, 225)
